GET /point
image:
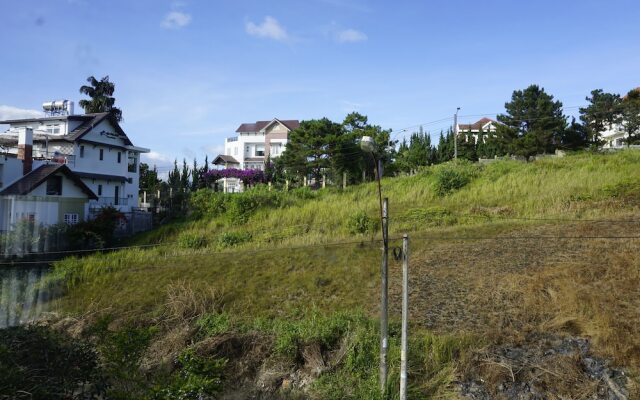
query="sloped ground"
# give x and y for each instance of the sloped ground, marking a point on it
(559, 314)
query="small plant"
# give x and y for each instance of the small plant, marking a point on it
(361, 223)
(198, 378)
(191, 240)
(231, 239)
(213, 324)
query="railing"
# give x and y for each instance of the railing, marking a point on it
(109, 201)
(232, 139)
(38, 154)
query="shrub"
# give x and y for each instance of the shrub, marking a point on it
(38, 363)
(432, 216)
(207, 203)
(452, 176)
(191, 240)
(231, 239)
(361, 223)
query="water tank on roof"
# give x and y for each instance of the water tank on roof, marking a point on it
(58, 107)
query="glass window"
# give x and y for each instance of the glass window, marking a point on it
(101, 154)
(71, 218)
(81, 151)
(99, 190)
(119, 157)
(54, 186)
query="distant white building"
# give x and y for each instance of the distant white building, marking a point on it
(252, 145)
(50, 166)
(484, 125)
(615, 135)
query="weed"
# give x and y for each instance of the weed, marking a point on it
(361, 223)
(213, 324)
(191, 240)
(231, 239)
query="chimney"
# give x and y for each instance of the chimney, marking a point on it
(25, 149)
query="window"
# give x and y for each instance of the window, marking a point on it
(119, 157)
(99, 190)
(54, 186)
(259, 151)
(133, 162)
(52, 128)
(116, 196)
(235, 151)
(101, 154)
(81, 151)
(71, 218)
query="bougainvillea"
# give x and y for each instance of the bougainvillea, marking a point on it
(247, 176)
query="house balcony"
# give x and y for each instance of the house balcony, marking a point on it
(38, 154)
(108, 201)
(232, 139)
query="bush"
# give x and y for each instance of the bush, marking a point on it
(191, 240)
(452, 176)
(38, 363)
(207, 203)
(231, 239)
(361, 223)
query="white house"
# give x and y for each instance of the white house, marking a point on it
(100, 165)
(484, 125)
(252, 145)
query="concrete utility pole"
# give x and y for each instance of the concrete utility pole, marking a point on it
(404, 346)
(455, 134)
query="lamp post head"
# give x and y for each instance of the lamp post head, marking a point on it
(367, 144)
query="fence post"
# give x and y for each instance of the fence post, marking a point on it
(384, 299)
(344, 180)
(404, 347)
(324, 181)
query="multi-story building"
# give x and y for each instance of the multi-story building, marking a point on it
(253, 144)
(48, 164)
(484, 125)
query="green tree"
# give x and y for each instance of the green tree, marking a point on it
(533, 123)
(604, 110)
(575, 136)
(149, 180)
(467, 146)
(416, 153)
(630, 116)
(101, 94)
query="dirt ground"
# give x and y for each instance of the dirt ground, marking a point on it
(558, 313)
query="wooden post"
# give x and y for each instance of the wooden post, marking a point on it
(404, 344)
(344, 180)
(324, 181)
(364, 176)
(269, 186)
(144, 197)
(305, 181)
(286, 185)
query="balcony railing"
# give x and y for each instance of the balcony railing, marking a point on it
(44, 155)
(109, 201)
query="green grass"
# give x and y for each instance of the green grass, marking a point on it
(268, 256)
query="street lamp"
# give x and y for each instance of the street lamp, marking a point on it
(368, 145)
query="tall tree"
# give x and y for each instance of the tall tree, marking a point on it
(575, 136)
(630, 116)
(604, 110)
(533, 122)
(101, 97)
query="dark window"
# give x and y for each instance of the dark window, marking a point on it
(116, 196)
(81, 151)
(119, 157)
(101, 154)
(54, 186)
(99, 190)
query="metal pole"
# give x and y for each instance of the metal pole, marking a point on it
(405, 318)
(384, 301)
(455, 136)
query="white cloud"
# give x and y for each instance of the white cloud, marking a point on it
(9, 112)
(154, 156)
(176, 20)
(350, 36)
(270, 28)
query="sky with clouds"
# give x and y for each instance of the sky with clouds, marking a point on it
(188, 73)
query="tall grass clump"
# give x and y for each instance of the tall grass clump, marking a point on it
(452, 176)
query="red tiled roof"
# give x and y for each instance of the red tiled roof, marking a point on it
(475, 126)
(259, 125)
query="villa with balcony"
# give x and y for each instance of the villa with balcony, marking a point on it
(253, 144)
(64, 167)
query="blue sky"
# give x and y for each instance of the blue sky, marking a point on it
(187, 73)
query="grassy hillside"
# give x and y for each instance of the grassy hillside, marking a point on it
(299, 272)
